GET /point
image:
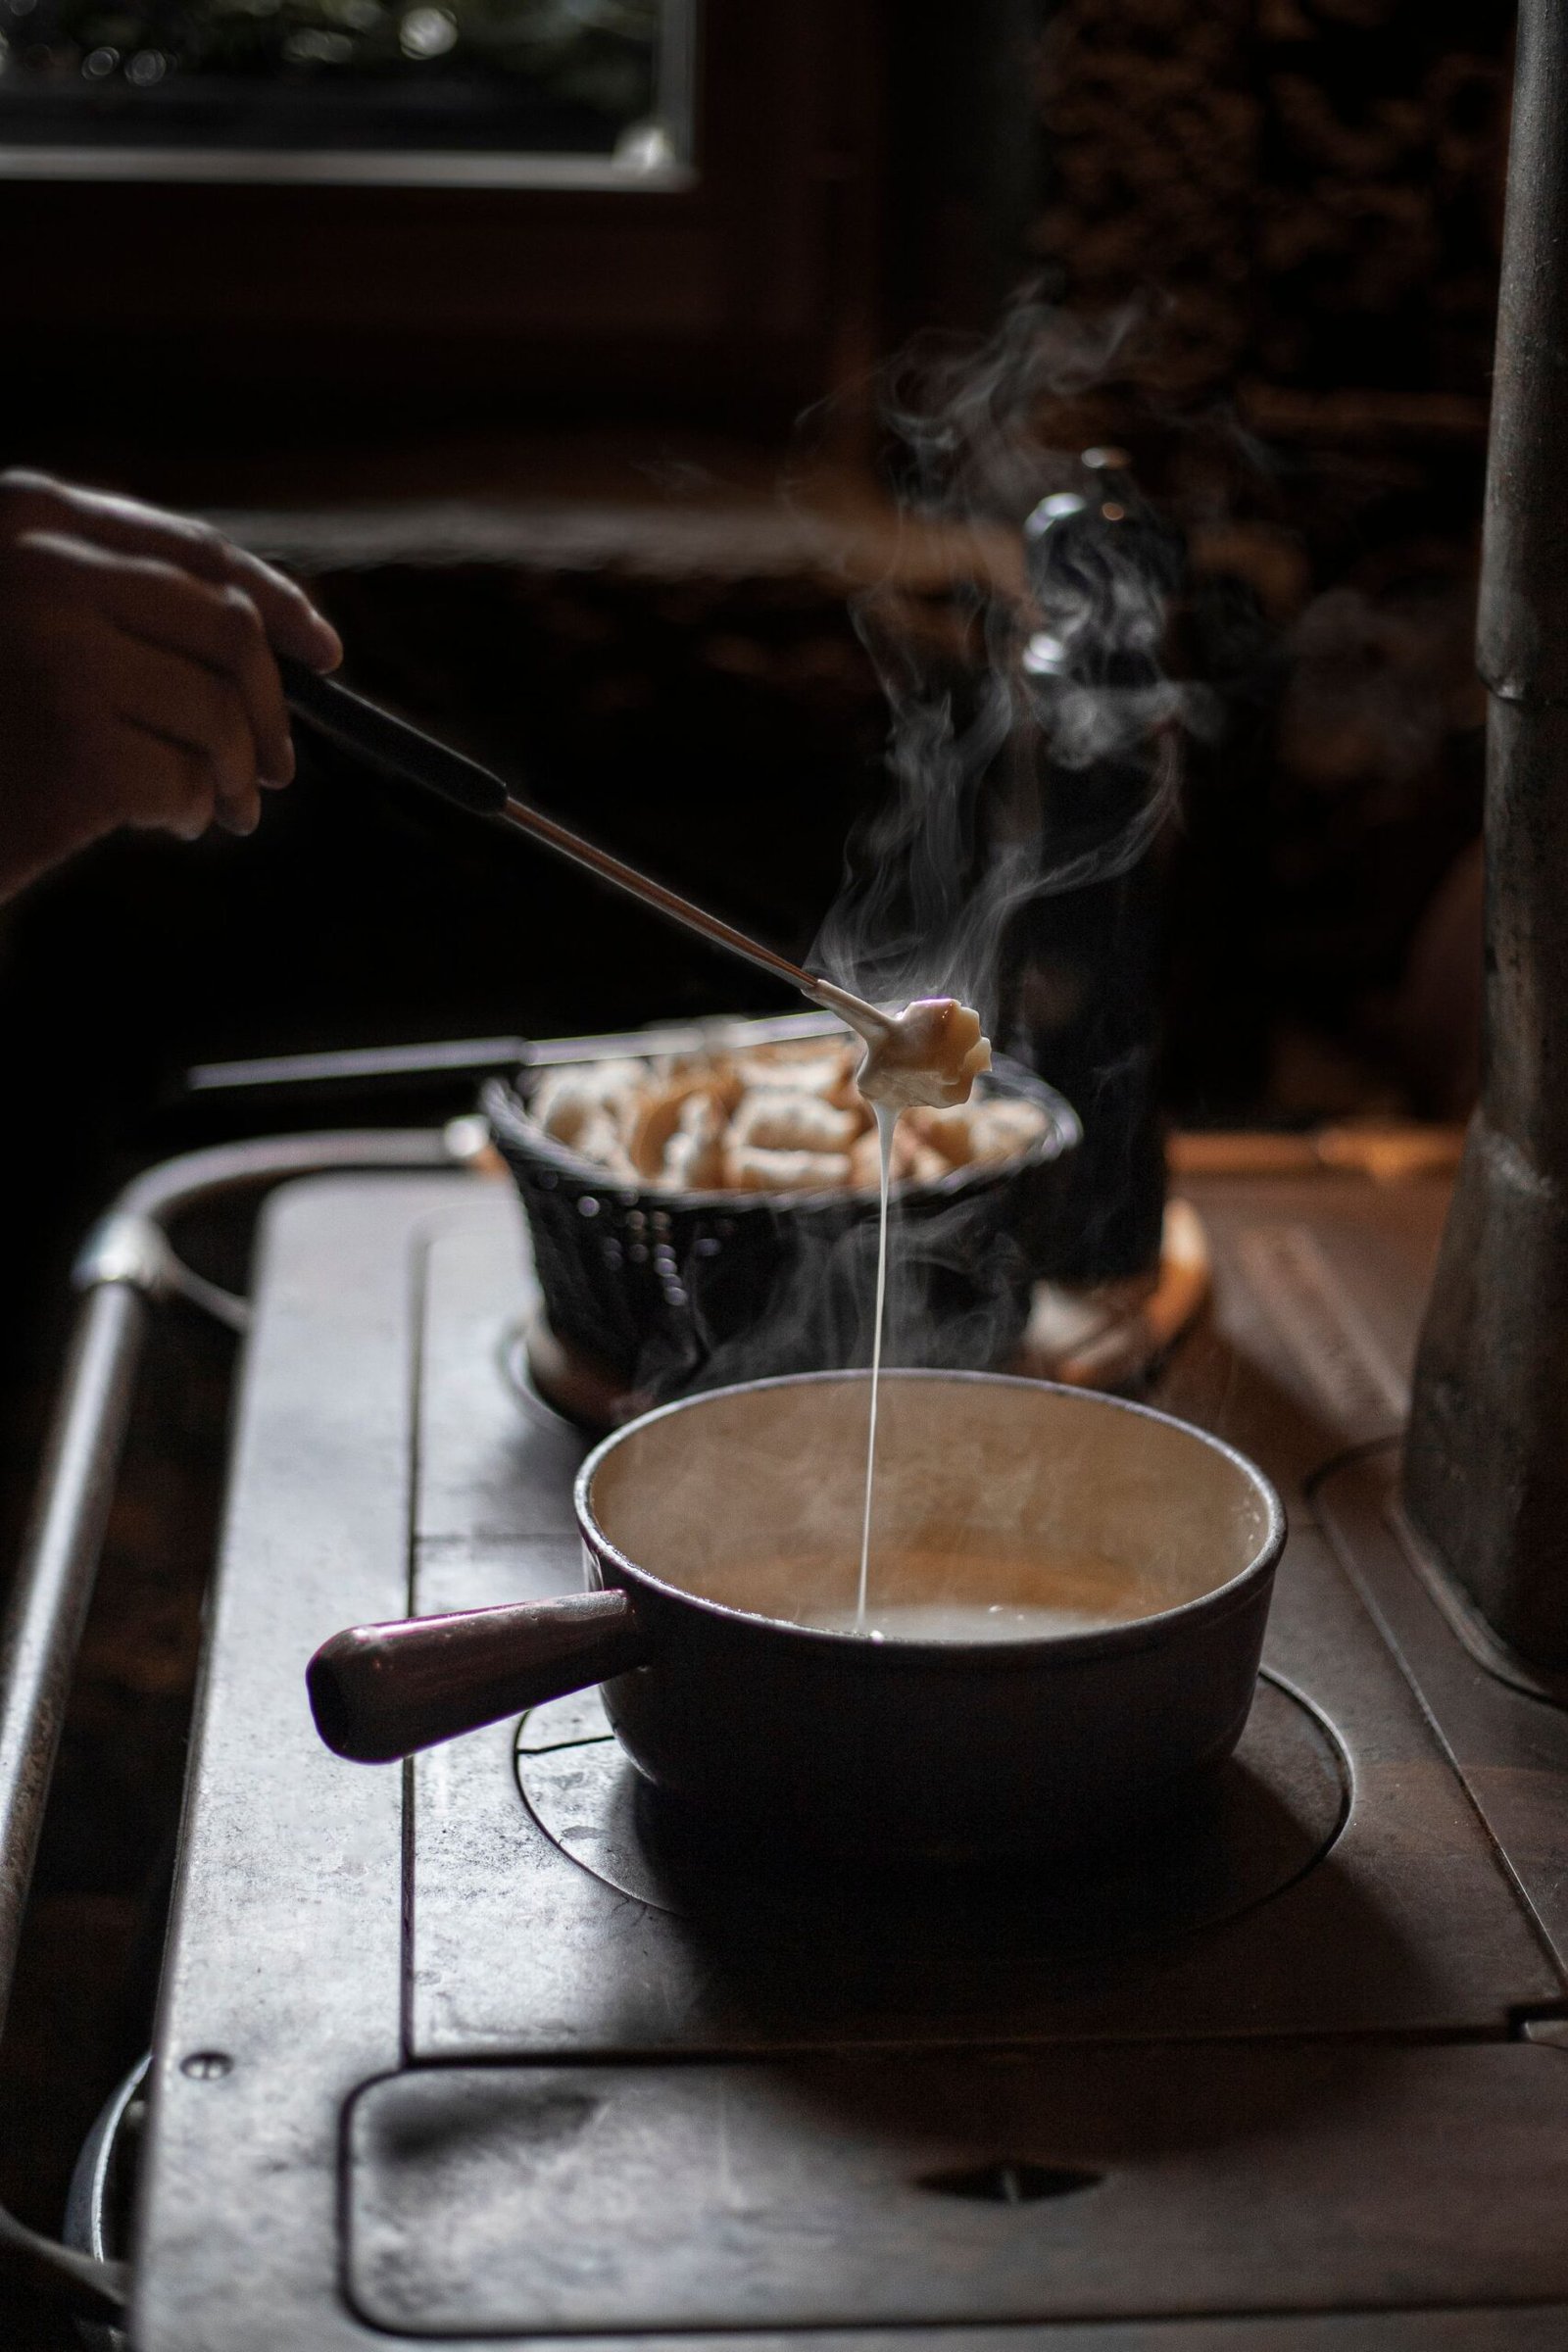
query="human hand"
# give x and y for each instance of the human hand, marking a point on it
(138, 680)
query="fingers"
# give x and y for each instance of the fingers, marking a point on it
(175, 656)
(138, 677)
(199, 711)
(291, 621)
(219, 627)
(168, 787)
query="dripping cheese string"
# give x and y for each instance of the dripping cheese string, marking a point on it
(929, 1053)
(887, 1118)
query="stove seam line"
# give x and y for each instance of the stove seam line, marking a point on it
(570, 2057)
(822, 2331)
(417, 1293)
(1386, 1634)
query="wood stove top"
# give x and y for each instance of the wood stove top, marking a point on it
(481, 2050)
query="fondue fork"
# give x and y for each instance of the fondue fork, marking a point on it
(364, 728)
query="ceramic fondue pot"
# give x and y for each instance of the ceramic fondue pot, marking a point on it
(1065, 1606)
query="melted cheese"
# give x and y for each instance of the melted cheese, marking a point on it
(927, 1055)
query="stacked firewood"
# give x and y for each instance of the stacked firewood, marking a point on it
(1305, 190)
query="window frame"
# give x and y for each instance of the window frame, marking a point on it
(216, 315)
(263, 165)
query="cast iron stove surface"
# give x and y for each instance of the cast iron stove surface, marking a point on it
(1270, 1814)
(504, 2056)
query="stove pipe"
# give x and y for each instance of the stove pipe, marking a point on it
(1485, 1464)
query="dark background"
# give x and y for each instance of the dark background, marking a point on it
(543, 459)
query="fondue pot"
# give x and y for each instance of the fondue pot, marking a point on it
(1024, 1729)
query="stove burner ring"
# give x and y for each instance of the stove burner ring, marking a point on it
(1272, 1812)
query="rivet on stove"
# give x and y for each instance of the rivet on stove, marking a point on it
(206, 2066)
(587, 1206)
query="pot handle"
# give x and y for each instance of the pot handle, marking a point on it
(380, 1692)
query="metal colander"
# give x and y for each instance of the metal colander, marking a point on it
(665, 1292)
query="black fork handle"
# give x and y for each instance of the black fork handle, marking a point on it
(389, 743)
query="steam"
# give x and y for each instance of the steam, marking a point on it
(958, 1299)
(1034, 748)
(1034, 744)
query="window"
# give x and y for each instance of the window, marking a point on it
(530, 93)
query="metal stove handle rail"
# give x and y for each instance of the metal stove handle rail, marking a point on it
(126, 1268)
